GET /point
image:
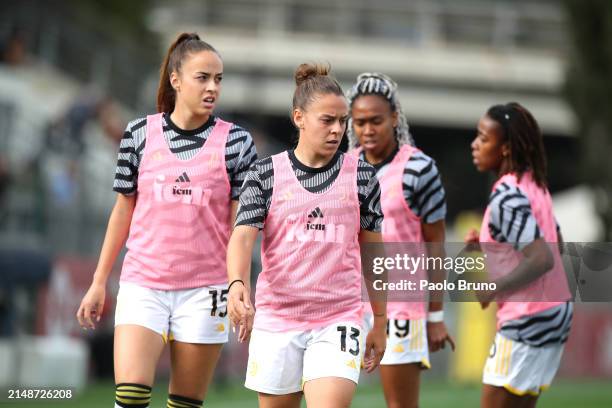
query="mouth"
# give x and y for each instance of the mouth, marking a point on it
(209, 101)
(332, 142)
(369, 144)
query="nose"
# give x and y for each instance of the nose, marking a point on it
(212, 86)
(338, 128)
(474, 144)
(368, 129)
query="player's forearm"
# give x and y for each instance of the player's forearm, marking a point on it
(538, 260)
(239, 253)
(436, 275)
(434, 235)
(116, 234)
(378, 299)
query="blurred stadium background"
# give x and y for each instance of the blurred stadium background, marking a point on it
(73, 73)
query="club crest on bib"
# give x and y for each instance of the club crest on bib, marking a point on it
(157, 155)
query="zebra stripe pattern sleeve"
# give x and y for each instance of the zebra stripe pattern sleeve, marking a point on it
(423, 189)
(128, 160)
(256, 195)
(511, 219)
(240, 152)
(368, 190)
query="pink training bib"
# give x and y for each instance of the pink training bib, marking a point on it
(551, 288)
(181, 223)
(401, 225)
(311, 265)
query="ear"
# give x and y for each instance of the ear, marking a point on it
(298, 118)
(395, 117)
(175, 81)
(506, 150)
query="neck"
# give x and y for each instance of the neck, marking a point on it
(505, 168)
(310, 158)
(378, 157)
(186, 120)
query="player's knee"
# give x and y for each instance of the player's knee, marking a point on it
(177, 401)
(131, 395)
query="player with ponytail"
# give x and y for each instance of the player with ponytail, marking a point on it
(178, 177)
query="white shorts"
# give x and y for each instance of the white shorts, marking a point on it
(519, 368)
(196, 315)
(281, 362)
(406, 341)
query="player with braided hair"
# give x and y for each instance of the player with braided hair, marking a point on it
(414, 207)
(520, 236)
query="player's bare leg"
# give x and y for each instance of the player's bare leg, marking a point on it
(401, 384)
(329, 392)
(280, 401)
(137, 350)
(192, 368)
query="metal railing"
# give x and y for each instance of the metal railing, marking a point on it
(518, 23)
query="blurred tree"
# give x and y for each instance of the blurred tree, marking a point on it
(124, 17)
(589, 91)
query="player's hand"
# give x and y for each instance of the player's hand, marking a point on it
(437, 336)
(485, 297)
(376, 342)
(472, 239)
(240, 310)
(90, 310)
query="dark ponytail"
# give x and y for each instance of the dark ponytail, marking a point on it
(185, 43)
(524, 137)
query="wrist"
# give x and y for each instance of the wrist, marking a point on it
(435, 317)
(235, 282)
(380, 321)
(99, 279)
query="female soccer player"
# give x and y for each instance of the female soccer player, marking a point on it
(178, 179)
(414, 205)
(519, 234)
(315, 205)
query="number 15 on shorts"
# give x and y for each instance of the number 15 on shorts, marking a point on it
(216, 299)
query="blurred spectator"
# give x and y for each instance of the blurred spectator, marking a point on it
(13, 49)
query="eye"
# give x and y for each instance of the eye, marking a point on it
(218, 79)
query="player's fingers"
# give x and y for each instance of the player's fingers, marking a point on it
(87, 317)
(450, 341)
(242, 333)
(246, 299)
(79, 315)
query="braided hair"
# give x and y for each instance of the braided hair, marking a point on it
(521, 131)
(374, 83)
